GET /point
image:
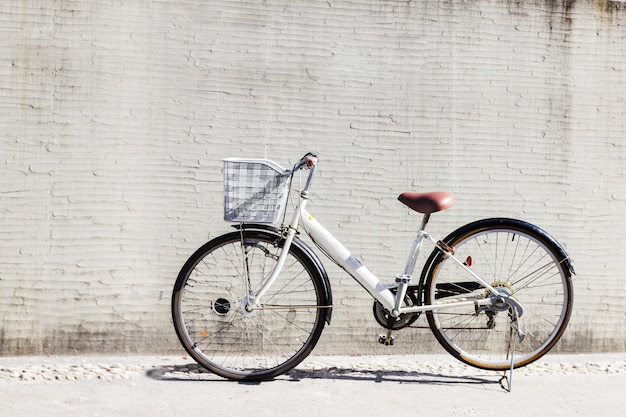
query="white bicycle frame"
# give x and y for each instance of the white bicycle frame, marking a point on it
(379, 290)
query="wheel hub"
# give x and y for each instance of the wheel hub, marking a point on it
(504, 290)
(247, 306)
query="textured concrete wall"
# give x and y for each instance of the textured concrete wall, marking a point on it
(114, 116)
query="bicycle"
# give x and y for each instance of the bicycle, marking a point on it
(252, 304)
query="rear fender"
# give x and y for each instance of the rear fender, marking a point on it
(505, 222)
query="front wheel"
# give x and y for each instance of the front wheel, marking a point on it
(517, 259)
(225, 329)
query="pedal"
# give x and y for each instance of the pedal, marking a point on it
(386, 339)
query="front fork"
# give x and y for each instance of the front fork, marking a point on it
(254, 302)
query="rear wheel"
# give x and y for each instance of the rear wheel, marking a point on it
(517, 259)
(213, 296)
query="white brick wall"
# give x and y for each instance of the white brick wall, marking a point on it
(114, 117)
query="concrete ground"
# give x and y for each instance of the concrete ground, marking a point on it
(429, 385)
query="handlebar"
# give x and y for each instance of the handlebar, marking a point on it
(308, 161)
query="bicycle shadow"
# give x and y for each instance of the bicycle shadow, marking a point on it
(194, 372)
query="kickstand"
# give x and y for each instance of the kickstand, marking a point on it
(514, 342)
(507, 376)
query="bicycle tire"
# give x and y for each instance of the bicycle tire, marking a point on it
(217, 331)
(517, 258)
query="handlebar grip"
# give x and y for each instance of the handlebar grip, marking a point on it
(311, 160)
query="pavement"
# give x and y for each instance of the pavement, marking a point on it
(402, 385)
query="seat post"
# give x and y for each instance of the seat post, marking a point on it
(425, 220)
(415, 249)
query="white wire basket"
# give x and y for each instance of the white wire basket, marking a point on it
(255, 190)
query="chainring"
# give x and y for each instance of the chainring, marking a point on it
(381, 314)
